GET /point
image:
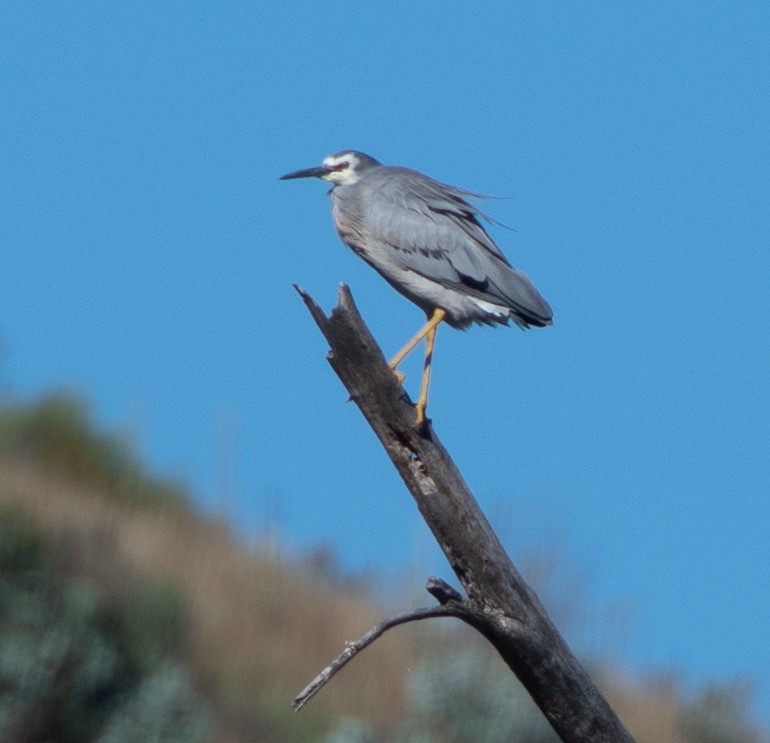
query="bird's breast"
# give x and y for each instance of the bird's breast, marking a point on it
(349, 223)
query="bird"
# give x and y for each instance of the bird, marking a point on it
(426, 239)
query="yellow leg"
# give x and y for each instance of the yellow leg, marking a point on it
(436, 318)
(422, 402)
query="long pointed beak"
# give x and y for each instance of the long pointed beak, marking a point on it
(318, 172)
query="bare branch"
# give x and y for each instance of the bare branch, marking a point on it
(443, 592)
(353, 648)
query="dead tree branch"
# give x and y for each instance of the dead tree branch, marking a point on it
(499, 604)
(353, 648)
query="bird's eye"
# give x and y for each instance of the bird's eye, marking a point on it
(340, 166)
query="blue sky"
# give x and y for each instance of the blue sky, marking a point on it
(147, 252)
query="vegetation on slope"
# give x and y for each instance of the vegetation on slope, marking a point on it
(126, 615)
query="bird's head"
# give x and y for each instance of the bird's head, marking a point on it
(341, 169)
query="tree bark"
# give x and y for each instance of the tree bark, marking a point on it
(498, 603)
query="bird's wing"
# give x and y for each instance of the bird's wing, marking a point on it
(430, 228)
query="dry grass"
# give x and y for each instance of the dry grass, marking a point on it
(648, 714)
(259, 631)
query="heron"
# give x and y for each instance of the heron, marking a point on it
(426, 239)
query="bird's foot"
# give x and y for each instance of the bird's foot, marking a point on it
(420, 419)
(400, 376)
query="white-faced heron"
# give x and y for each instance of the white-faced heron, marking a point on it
(426, 240)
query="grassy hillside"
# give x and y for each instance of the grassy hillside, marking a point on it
(123, 609)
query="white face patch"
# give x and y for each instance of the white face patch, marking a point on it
(345, 166)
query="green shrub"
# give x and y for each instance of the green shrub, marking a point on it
(57, 433)
(163, 708)
(466, 696)
(151, 624)
(719, 715)
(73, 667)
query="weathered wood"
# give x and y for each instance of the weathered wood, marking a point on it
(353, 648)
(499, 603)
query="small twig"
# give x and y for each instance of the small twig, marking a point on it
(443, 592)
(353, 648)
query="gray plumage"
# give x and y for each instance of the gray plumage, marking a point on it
(426, 239)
